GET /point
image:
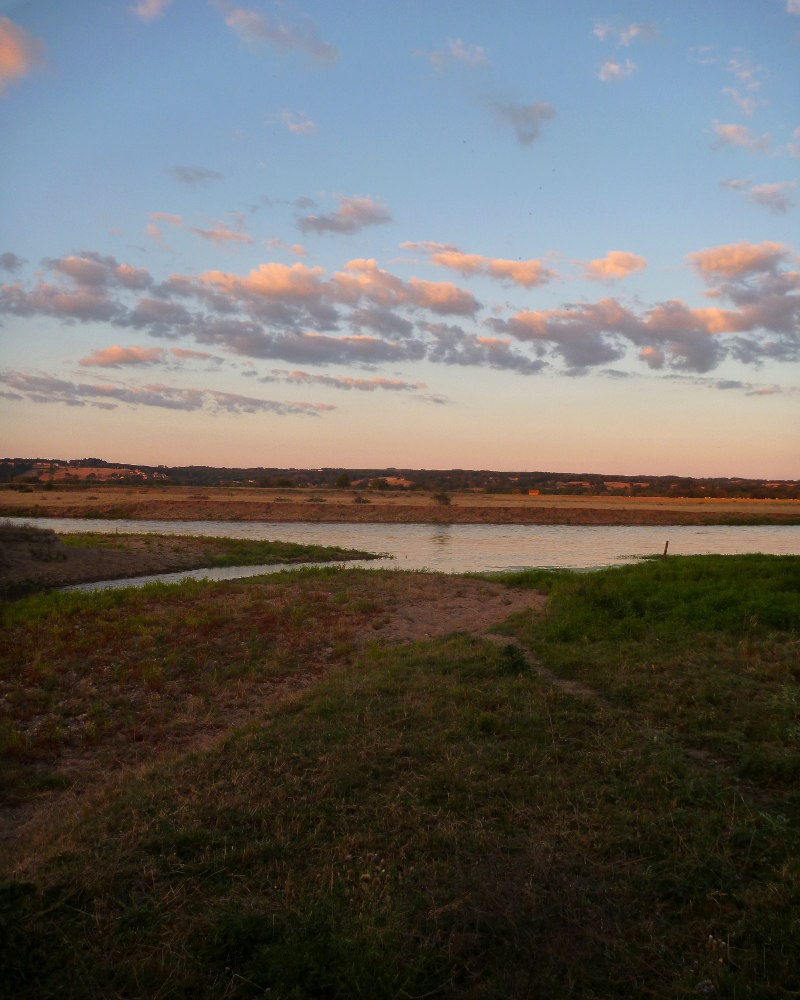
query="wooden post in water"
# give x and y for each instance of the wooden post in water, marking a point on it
(666, 546)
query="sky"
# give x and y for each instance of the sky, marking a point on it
(412, 234)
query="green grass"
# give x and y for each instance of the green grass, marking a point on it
(223, 551)
(443, 820)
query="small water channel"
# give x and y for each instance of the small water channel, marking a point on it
(464, 548)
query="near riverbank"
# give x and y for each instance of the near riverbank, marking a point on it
(33, 559)
(393, 784)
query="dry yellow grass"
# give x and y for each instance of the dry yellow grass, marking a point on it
(245, 504)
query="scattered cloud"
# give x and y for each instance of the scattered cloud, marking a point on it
(615, 265)
(220, 233)
(352, 215)
(148, 10)
(20, 53)
(625, 34)
(451, 345)
(793, 7)
(740, 135)
(10, 262)
(49, 389)
(456, 51)
(794, 147)
(746, 73)
(194, 175)
(253, 27)
(93, 270)
(527, 273)
(703, 54)
(776, 197)
(116, 357)
(738, 260)
(121, 357)
(612, 71)
(746, 104)
(299, 124)
(347, 382)
(170, 217)
(296, 248)
(525, 119)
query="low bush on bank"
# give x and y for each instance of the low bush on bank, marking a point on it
(602, 804)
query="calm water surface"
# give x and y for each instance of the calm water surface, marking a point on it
(462, 548)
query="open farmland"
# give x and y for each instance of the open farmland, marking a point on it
(400, 506)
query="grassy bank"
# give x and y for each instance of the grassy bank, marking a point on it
(602, 803)
(34, 559)
(219, 551)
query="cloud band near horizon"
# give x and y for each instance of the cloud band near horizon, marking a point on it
(364, 315)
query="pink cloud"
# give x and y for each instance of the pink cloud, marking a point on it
(674, 316)
(173, 220)
(735, 260)
(299, 124)
(652, 356)
(92, 270)
(612, 71)
(615, 265)
(147, 10)
(456, 51)
(527, 273)
(185, 353)
(115, 357)
(741, 136)
(775, 197)
(625, 34)
(363, 278)
(218, 233)
(442, 297)
(348, 382)
(221, 234)
(49, 389)
(746, 104)
(253, 27)
(352, 215)
(269, 281)
(20, 53)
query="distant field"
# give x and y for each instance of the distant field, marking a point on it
(246, 504)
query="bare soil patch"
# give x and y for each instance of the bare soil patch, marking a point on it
(94, 694)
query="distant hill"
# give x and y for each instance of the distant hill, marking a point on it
(84, 472)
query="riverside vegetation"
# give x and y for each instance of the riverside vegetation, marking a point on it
(33, 559)
(600, 799)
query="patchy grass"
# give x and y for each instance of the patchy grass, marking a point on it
(33, 559)
(443, 818)
(707, 645)
(129, 672)
(220, 551)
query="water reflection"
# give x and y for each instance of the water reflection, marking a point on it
(463, 548)
(442, 536)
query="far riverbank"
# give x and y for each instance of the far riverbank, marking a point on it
(386, 507)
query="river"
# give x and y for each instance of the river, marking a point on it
(463, 548)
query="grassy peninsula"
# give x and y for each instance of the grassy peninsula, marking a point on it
(598, 797)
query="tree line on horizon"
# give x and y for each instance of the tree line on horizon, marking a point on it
(41, 472)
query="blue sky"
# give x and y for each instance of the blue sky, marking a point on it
(530, 236)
